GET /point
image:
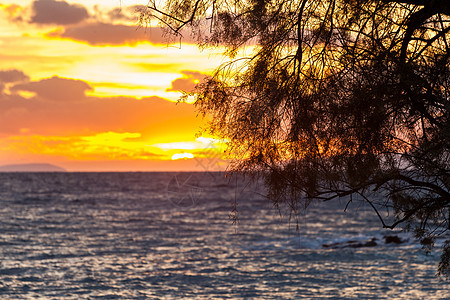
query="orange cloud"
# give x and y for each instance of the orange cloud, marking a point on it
(59, 106)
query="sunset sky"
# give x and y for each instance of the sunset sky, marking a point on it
(84, 88)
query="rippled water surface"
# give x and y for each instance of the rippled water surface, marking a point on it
(169, 236)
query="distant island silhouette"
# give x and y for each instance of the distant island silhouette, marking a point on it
(37, 167)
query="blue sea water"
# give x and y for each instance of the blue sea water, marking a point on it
(171, 236)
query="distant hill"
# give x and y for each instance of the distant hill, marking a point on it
(31, 168)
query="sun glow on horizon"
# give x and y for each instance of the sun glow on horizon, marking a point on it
(117, 146)
(185, 155)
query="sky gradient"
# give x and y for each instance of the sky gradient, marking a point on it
(83, 87)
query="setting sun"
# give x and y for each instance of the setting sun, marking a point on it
(184, 155)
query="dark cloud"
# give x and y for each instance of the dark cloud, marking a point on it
(111, 34)
(187, 83)
(8, 76)
(137, 8)
(56, 89)
(119, 14)
(57, 12)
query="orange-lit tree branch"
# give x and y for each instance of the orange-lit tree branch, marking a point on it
(339, 98)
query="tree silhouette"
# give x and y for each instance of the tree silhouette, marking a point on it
(332, 98)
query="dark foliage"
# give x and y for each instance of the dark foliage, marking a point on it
(332, 98)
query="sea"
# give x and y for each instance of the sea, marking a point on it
(197, 236)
